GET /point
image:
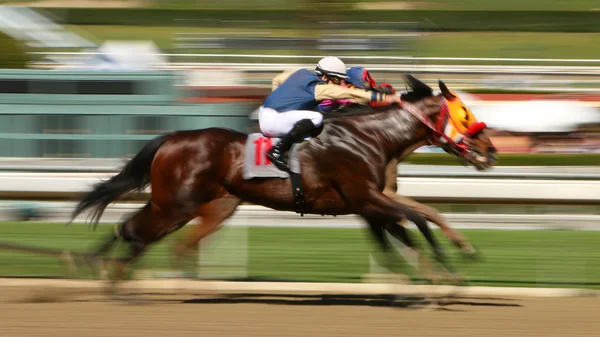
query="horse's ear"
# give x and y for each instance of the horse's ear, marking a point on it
(417, 85)
(445, 91)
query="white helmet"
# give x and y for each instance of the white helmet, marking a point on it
(331, 66)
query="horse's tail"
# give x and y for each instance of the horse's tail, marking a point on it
(134, 176)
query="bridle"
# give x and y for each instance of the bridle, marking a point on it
(459, 148)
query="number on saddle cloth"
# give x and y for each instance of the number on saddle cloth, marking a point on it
(256, 163)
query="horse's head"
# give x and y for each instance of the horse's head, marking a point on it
(463, 135)
(453, 125)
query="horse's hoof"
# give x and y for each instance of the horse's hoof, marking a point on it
(118, 295)
(462, 280)
(434, 279)
(440, 256)
(433, 306)
(113, 292)
(470, 253)
(67, 260)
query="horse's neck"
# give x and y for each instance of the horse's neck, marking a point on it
(405, 132)
(408, 133)
(393, 131)
(430, 107)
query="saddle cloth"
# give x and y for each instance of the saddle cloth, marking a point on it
(256, 163)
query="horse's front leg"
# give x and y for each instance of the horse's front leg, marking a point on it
(389, 260)
(430, 214)
(380, 211)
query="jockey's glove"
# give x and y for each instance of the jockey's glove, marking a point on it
(385, 89)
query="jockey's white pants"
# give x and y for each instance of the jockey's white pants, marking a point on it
(277, 124)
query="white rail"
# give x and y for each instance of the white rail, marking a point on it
(393, 63)
(397, 67)
(569, 75)
(439, 189)
(113, 165)
(258, 216)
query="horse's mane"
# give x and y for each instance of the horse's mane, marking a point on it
(354, 110)
(418, 91)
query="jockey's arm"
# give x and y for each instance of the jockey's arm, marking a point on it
(281, 77)
(360, 96)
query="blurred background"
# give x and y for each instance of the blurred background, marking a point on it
(84, 84)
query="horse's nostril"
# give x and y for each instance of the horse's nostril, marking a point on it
(492, 149)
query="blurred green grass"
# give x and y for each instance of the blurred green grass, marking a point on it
(406, 4)
(456, 44)
(504, 4)
(509, 159)
(510, 45)
(430, 4)
(511, 258)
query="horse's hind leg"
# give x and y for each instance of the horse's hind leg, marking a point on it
(421, 224)
(213, 214)
(401, 234)
(378, 228)
(390, 257)
(148, 226)
(96, 260)
(425, 266)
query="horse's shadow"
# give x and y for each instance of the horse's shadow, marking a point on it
(350, 300)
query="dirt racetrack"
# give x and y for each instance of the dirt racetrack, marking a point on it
(53, 312)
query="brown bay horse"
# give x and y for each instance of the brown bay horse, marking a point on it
(213, 214)
(199, 173)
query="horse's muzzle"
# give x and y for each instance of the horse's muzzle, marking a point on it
(481, 162)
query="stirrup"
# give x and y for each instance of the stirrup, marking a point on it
(281, 162)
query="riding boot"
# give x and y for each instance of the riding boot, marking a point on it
(277, 154)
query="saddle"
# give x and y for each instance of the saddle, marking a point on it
(257, 165)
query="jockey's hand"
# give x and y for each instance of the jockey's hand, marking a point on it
(385, 88)
(389, 100)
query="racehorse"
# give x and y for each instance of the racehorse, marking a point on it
(215, 213)
(200, 172)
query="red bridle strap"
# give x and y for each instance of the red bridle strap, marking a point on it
(438, 129)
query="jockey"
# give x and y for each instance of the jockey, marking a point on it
(290, 112)
(357, 77)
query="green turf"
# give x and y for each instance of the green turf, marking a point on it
(507, 4)
(416, 4)
(512, 258)
(509, 45)
(164, 37)
(512, 159)
(433, 44)
(431, 4)
(468, 44)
